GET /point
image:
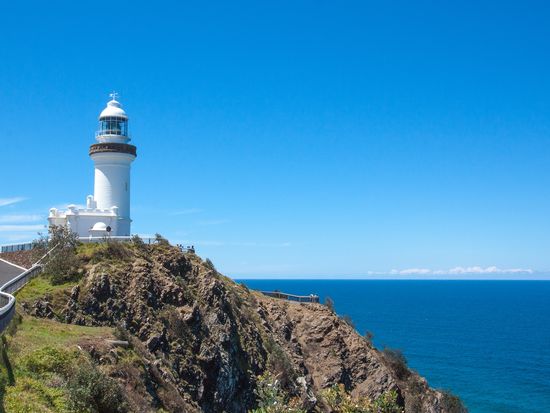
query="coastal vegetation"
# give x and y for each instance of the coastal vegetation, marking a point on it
(116, 327)
(272, 399)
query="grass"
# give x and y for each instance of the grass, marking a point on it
(36, 350)
(35, 333)
(41, 286)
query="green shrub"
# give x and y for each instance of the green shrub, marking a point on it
(91, 391)
(329, 302)
(48, 360)
(209, 264)
(80, 386)
(117, 250)
(280, 366)
(387, 403)
(160, 240)
(39, 247)
(397, 361)
(29, 395)
(121, 333)
(347, 319)
(138, 242)
(451, 403)
(272, 399)
(63, 264)
(338, 400)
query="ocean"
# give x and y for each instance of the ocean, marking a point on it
(486, 341)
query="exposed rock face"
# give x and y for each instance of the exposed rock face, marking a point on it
(204, 339)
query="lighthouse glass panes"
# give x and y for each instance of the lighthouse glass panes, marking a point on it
(113, 125)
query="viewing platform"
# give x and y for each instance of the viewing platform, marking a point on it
(312, 298)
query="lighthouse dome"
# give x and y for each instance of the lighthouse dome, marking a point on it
(113, 123)
(113, 109)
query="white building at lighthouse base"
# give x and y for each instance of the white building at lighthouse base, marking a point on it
(87, 222)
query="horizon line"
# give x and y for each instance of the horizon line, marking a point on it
(469, 277)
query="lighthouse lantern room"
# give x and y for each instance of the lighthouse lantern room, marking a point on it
(107, 212)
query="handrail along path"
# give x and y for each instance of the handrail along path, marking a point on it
(7, 300)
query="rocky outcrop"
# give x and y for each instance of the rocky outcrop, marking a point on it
(203, 340)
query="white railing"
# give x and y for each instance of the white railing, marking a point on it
(7, 300)
(25, 246)
(146, 240)
(312, 298)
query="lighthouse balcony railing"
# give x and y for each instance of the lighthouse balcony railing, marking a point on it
(111, 132)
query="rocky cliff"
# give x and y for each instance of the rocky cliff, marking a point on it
(202, 340)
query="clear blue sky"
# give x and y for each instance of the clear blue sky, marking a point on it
(292, 138)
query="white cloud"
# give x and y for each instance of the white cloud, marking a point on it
(487, 270)
(11, 201)
(20, 219)
(476, 269)
(411, 271)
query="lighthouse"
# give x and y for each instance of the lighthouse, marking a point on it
(112, 157)
(107, 211)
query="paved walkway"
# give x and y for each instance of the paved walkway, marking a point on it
(8, 271)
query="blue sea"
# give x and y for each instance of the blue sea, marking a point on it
(486, 341)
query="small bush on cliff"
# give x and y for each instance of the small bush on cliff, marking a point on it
(140, 246)
(138, 242)
(272, 399)
(209, 264)
(63, 264)
(338, 400)
(117, 250)
(160, 240)
(48, 360)
(387, 403)
(280, 366)
(347, 319)
(329, 302)
(451, 403)
(91, 391)
(397, 361)
(39, 247)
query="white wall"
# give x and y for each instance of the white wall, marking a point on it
(112, 182)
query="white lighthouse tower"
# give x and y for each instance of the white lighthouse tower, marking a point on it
(107, 212)
(112, 157)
